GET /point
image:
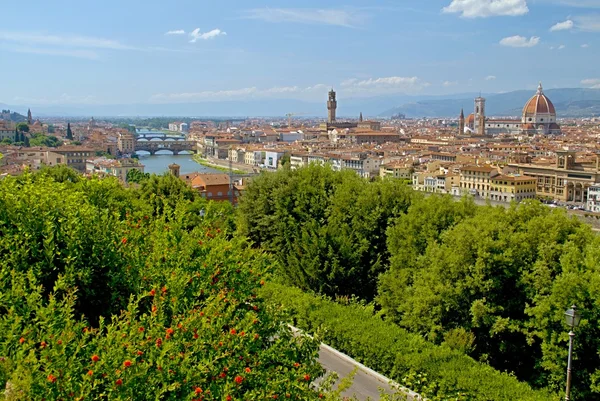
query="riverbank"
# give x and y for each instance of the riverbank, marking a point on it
(212, 164)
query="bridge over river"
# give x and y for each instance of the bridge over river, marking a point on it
(174, 146)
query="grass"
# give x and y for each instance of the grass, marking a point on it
(208, 163)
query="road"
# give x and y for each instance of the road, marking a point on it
(364, 386)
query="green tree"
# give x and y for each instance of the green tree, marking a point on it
(22, 127)
(327, 228)
(69, 135)
(136, 176)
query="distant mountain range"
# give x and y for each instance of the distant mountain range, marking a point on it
(568, 102)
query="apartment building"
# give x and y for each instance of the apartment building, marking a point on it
(508, 188)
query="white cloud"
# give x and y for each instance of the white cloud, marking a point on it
(74, 41)
(197, 35)
(490, 78)
(487, 8)
(176, 32)
(243, 93)
(384, 85)
(585, 46)
(588, 23)
(449, 83)
(62, 99)
(335, 17)
(593, 83)
(76, 53)
(520, 41)
(562, 26)
(368, 87)
(561, 47)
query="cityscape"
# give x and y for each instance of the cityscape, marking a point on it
(341, 201)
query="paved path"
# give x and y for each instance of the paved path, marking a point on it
(366, 383)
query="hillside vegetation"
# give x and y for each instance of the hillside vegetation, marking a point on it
(490, 282)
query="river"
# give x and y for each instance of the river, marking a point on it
(159, 164)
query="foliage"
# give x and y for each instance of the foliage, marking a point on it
(443, 373)
(326, 228)
(136, 176)
(495, 282)
(44, 140)
(69, 134)
(22, 127)
(103, 296)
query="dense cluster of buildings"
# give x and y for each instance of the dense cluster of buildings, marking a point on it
(501, 159)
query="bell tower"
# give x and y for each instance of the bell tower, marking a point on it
(331, 107)
(461, 123)
(479, 122)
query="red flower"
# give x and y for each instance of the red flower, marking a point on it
(59, 342)
(306, 377)
(158, 342)
(242, 333)
(195, 336)
(198, 390)
(274, 396)
(256, 336)
(95, 358)
(119, 382)
(154, 308)
(127, 363)
(233, 331)
(140, 353)
(296, 364)
(43, 344)
(90, 373)
(248, 370)
(239, 379)
(222, 375)
(228, 398)
(21, 340)
(124, 241)
(170, 331)
(164, 289)
(51, 378)
(152, 292)
(141, 329)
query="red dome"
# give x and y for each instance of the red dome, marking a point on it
(471, 119)
(539, 104)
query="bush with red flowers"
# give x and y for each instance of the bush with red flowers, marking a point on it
(100, 301)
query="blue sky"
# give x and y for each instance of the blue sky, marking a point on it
(118, 51)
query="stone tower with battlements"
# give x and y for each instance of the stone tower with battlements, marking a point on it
(331, 107)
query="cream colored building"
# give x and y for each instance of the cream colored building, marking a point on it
(476, 180)
(566, 181)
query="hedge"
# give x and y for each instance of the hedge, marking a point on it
(383, 346)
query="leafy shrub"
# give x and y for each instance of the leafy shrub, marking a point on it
(393, 351)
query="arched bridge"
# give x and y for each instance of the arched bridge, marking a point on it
(173, 146)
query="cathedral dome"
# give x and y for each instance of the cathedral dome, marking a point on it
(470, 119)
(539, 104)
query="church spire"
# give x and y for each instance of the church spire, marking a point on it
(361, 117)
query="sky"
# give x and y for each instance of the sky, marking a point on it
(65, 52)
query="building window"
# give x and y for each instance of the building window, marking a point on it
(219, 194)
(210, 194)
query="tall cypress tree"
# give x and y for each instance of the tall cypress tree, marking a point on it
(69, 132)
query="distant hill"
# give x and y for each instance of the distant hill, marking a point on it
(6, 114)
(570, 102)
